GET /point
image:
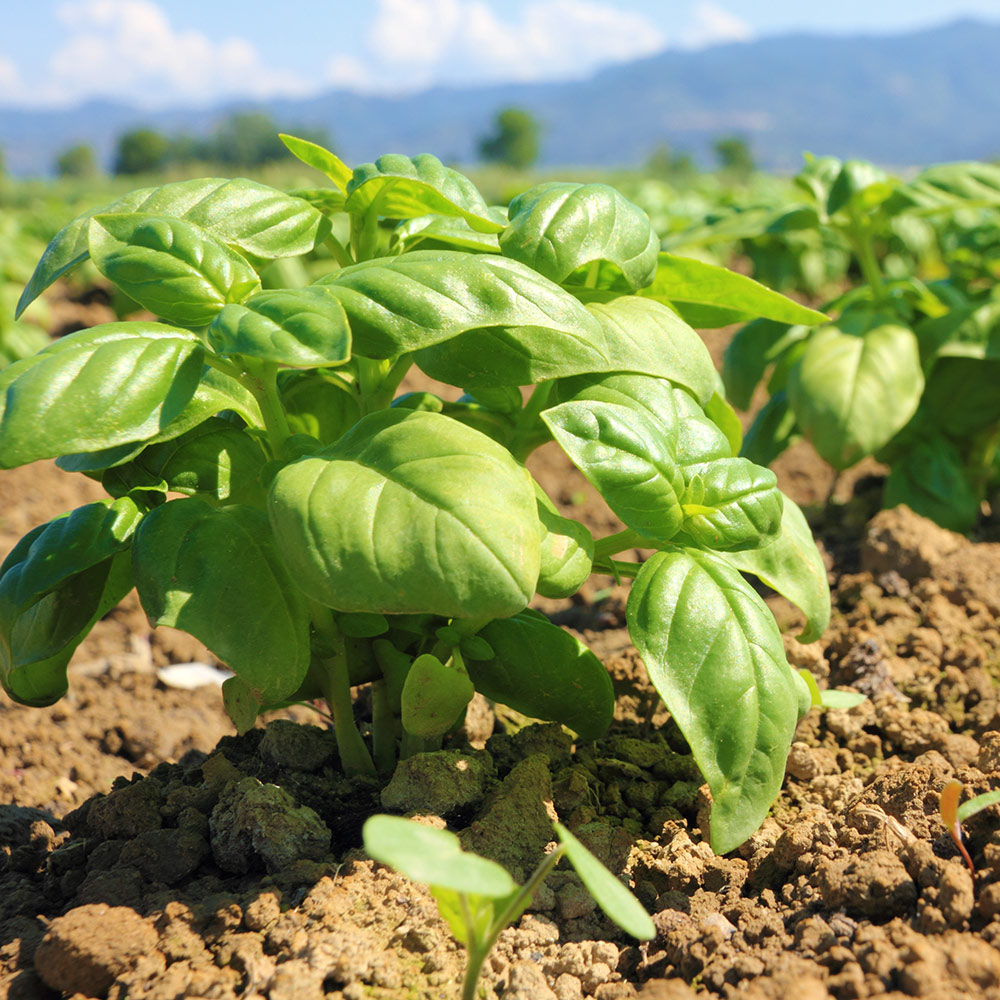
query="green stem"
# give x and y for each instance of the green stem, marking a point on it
(616, 568)
(529, 431)
(593, 272)
(364, 234)
(610, 545)
(383, 729)
(263, 384)
(340, 253)
(861, 242)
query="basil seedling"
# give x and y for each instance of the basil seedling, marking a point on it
(271, 493)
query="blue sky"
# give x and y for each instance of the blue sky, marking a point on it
(166, 52)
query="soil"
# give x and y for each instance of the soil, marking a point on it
(147, 852)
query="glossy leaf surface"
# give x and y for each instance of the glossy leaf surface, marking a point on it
(543, 671)
(620, 452)
(792, 565)
(714, 653)
(295, 327)
(410, 512)
(172, 267)
(567, 551)
(314, 155)
(558, 228)
(851, 393)
(95, 389)
(774, 429)
(748, 355)
(190, 559)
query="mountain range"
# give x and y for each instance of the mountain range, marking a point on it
(900, 100)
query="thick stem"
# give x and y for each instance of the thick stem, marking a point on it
(340, 253)
(610, 545)
(364, 234)
(383, 729)
(264, 387)
(616, 568)
(861, 242)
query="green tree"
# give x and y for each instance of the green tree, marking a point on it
(77, 161)
(734, 155)
(141, 151)
(514, 141)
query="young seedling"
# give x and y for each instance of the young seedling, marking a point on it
(954, 814)
(272, 493)
(477, 898)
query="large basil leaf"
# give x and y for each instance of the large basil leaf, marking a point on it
(931, 479)
(400, 304)
(410, 511)
(708, 296)
(557, 229)
(620, 451)
(851, 393)
(317, 405)
(215, 393)
(215, 460)
(699, 438)
(714, 653)
(791, 565)
(567, 550)
(545, 672)
(401, 187)
(748, 355)
(259, 221)
(731, 504)
(648, 393)
(172, 267)
(216, 573)
(91, 390)
(629, 335)
(296, 327)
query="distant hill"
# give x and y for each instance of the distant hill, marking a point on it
(900, 100)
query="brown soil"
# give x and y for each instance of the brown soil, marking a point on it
(146, 852)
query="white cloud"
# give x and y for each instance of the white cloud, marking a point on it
(11, 86)
(416, 42)
(714, 25)
(128, 49)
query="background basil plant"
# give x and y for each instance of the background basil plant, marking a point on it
(909, 370)
(331, 533)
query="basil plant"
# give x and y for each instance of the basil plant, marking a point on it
(273, 494)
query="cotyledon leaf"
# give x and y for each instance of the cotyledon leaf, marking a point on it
(172, 267)
(558, 228)
(792, 565)
(410, 511)
(620, 451)
(714, 654)
(259, 221)
(111, 384)
(400, 304)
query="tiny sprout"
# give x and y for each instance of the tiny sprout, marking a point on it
(954, 814)
(477, 898)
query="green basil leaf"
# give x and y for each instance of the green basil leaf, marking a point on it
(314, 155)
(297, 327)
(962, 396)
(609, 893)
(708, 296)
(859, 187)
(774, 429)
(724, 417)
(434, 857)
(401, 187)
(469, 917)
(546, 673)
(240, 704)
(400, 304)
(931, 480)
(215, 460)
(37, 645)
(851, 393)
(318, 405)
(50, 555)
(629, 335)
(171, 267)
(731, 504)
(567, 550)
(558, 228)
(189, 559)
(620, 451)
(714, 654)
(111, 384)
(970, 332)
(791, 565)
(258, 221)
(410, 511)
(699, 438)
(952, 185)
(434, 696)
(443, 232)
(830, 698)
